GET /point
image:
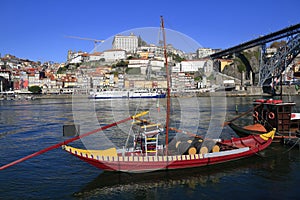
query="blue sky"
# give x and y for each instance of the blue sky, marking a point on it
(37, 29)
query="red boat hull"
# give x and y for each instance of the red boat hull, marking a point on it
(244, 147)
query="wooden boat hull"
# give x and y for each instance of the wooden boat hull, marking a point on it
(242, 132)
(243, 147)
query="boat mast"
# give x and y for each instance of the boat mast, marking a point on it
(168, 85)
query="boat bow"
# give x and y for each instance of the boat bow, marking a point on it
(267, 136)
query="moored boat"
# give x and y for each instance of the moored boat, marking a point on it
(246, 131)
(147, 94)
(268, 114)
(109, 94)
(147, 155)
(114, 94)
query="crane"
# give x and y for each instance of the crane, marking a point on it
(96, 41)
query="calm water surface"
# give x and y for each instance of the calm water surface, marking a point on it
(29, 126)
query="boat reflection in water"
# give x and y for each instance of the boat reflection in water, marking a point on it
(200, 182)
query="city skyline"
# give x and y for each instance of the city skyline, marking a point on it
(37, 30)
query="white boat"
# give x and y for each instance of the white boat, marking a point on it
(147, 94)
(111, 94)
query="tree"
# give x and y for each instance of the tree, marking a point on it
(62, 70)
(277, 44)
(122, 63)
(35, 89)
(240, 65)
(141, 42)
(177, 58)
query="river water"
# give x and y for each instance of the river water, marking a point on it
(29, 126)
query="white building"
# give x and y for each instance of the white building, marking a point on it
(114, 55)
(204, 52)
(128, 43)
(191, 65)
(270, 52)
(176, 68)
(137, 63)
(144, 64)
(34, 80)
(5, 74)
(83, 81)
(157, 63)
(95, 56)
(75, 57)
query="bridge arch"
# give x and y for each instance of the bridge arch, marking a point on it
(278, 63)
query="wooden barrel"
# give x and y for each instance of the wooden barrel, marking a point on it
(192, 151)
(197, 145)
(177, 144)
(209, 144)
(196, 140)
(203, 150)
(189, 141)
(216, 148)
(186, 146)
(173, 144)
(183, 147)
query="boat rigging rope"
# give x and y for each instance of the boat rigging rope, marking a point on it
(131, 130)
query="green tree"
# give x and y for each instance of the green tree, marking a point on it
(35, 89)
(62, 70)
(177, 58)
(141, 42)
(240, 65)
(122, 63)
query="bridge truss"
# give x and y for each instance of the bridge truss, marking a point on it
(274, 66)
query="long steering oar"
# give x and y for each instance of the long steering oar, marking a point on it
(245, 113)
(72, 139)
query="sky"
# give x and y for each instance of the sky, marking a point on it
(38, 29)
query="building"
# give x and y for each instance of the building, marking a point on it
(204, 52)
(270, 52)
(191, 65)
(224, 63)
(96, 56)
(75, 57)
(137, 63)
(127, 43)
(114, 55)
(141, 83)
(149, 51)
(182, 81)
